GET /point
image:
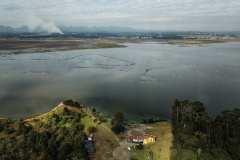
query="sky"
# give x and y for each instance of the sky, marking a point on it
(187, 15)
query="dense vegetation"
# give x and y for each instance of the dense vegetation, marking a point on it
(197, 136)
(58, 135)
(117, 122)
(109, 45)
(70, 102)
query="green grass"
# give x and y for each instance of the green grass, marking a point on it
(87, 121)
(161, 148)
(109, 135)
(109, 126)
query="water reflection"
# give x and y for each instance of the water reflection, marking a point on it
(140, 80)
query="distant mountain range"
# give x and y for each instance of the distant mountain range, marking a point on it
(7, 29)
(65, 29)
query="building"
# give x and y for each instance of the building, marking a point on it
(145, 139)
(89, 144)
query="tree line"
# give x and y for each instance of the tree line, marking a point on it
(198, 136)
(57, 136)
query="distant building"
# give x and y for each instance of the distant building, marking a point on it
(89, 144)
(145, 139)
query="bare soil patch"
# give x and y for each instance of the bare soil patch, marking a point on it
(122, 153)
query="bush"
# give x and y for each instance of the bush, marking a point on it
(55, 118)
(92, 129)
(68, 102)
(66, 111)
(140, 146)
(118, 129)
(93, 110)
(76, 104)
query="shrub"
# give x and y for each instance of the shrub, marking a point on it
(66, 111)
(92, 129)
(140, 146)
(93, 110)
(55, 118)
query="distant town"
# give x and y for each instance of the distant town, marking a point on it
(71, 33)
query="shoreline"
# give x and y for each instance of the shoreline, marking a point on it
(29, 118)
(18, 46)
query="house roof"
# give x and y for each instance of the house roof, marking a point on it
(142, 136)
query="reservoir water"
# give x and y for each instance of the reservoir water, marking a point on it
(141, 80)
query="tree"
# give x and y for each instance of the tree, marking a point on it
(66, 111)
(95, 121)
(92, 129)
(118, 118)
(77, 104)
(93, 110)
(55, 118)
(68, 102)
(176, 112)
(6, 130)
(64, 150)
(118, 128)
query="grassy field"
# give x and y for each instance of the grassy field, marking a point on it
(56, 45)
(109, 126)
(160, 150)
(193, 41)
(109, 45)
(104, 143)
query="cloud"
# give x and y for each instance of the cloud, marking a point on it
(157, 14)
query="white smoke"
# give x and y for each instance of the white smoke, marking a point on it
(36, 24)
(50, 28)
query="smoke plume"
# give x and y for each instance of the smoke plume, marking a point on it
(35, 24)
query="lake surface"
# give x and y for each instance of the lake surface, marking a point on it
(141, 80)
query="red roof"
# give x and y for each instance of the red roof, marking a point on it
(142, 136)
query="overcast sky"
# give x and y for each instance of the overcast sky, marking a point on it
(204, 15)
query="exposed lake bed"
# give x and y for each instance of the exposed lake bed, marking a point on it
(141, 80)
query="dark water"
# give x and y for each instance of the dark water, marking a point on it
(141, 80)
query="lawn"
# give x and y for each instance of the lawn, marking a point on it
(161, 148)
(109, 126)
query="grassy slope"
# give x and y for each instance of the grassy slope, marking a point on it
(104, 141)
(161, 148)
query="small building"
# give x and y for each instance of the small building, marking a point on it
(145, 139)
(89, 144)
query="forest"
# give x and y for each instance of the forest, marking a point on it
(58, 135)
(199, 137)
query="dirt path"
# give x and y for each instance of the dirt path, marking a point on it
(90, 114)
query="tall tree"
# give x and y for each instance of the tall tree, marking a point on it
(118, 118)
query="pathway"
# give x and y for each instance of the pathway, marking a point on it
(90, 114)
